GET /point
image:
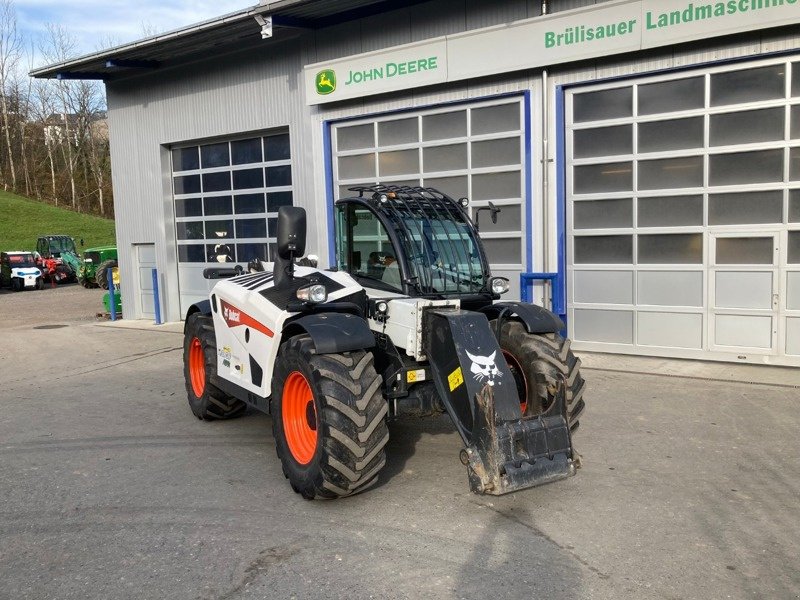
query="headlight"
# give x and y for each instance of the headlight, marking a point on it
(499, 285)
(313, 293)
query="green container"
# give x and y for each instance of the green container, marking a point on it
(107, 302)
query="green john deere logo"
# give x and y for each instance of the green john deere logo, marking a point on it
(326, 82)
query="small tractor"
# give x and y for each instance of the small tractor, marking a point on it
(58, 258)
(93, 271)
(18, 270)
(408, 322)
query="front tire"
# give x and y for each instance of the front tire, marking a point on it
(16, 284)
(328, 419)
(206, 400)
(537, 362)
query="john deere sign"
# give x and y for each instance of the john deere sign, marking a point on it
(326, 82)
(601, 30)
(408, 67)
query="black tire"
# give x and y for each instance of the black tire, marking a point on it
(40, 283)
(16, 284)
(348, 415)
(537, 362)
(206, 400)
(87, 283)
(101, 277)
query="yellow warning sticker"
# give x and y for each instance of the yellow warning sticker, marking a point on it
(415, 376)
(455, 379)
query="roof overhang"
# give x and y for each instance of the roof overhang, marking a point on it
(268, 22)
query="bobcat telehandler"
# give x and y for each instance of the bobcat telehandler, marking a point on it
(407, 322)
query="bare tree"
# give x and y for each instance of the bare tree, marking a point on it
(58, 47)
(10, 54)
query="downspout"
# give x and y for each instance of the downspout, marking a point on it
(545, 161)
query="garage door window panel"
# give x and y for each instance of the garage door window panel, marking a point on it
(671, 96)
(603, 141)
(748, 85)
(452, 157)
(793, 250)
(608, 177)
(444, 125)
(598, 249)
(246, 151)
(741, 168)
(194, 253)
(603, 214)
(671, 173)
(355, 137)
(744, 251)
(190, 230)
(217, 205)
(670, 211)
(495, 153)
(189, 207)
(216, 182)
(187, 184)
(251, 228)
(745, 208)
(215, 155)
(684, 248)
(397, 132)
(248, 179)
(602, 105)
(279, 176)
(495, 119)
(186, 159)
(671, 134)
(747, 127)
(248, 203)
(795, 121)
(276, 147)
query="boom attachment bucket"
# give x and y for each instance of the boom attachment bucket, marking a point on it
(505, 451)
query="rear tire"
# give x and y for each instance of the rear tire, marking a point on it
(206, 400)
(101, 276)
(537, 362)
(328, 419)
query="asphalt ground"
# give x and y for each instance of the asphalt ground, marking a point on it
(110, 488)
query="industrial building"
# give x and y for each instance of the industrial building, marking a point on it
(645, 154)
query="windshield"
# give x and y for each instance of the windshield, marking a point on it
(442, 252)
(21, 260)
(58, 245)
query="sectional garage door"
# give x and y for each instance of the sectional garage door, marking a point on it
(683, 214)
(227, 195)
(475, 150)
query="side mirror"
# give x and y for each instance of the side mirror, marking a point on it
(291, 232)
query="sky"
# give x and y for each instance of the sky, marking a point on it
(95, 24)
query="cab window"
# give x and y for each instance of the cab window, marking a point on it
(364, 249)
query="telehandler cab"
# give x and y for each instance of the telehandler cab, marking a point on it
(406, 322)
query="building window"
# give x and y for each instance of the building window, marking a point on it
(227, 196)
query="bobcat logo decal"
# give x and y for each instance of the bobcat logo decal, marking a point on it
(484, 367)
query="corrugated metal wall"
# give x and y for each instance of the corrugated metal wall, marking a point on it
(262, 89)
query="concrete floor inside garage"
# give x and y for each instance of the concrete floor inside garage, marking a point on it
(112, 489)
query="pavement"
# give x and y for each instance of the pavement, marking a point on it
(112, 489)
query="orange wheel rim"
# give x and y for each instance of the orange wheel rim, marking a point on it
(197, 367)
(519, 379)
(299, 417)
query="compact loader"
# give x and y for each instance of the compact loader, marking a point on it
(409, 321)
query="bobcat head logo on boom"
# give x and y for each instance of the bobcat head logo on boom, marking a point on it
(484, 367)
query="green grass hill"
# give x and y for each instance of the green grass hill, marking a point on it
(22, 221)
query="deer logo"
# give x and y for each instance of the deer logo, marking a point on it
(326, 81)
(484, 367)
